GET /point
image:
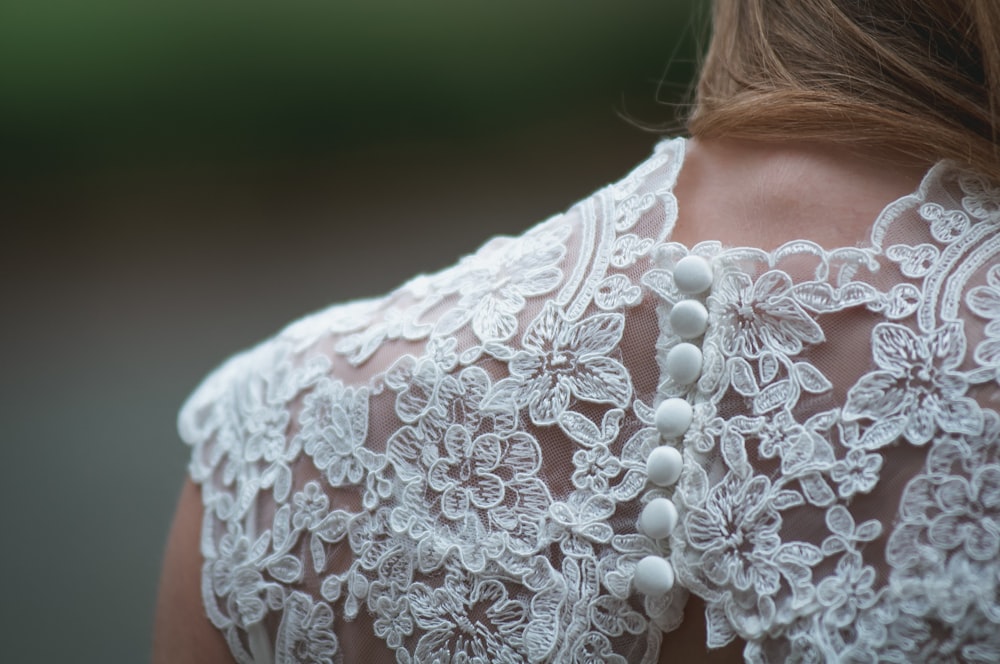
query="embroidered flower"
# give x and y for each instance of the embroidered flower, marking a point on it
(495, 282)
(858, 472)
(753, 316)
(579, 522)
(392, 620)
(479, 495)
(847, 591)
(265, 427)
(846, 536)
(798, 447)
(469, 619)
(561, 360)
(918, 384)
(464, 474)
(737, 531)
(334, 421)
(415, 381)
(236, 576)
(706, 428)
(947, 613)
(981, 199)
(311, 506)
(465, 484)
(970, 514)
(595, 467)
(305, 635)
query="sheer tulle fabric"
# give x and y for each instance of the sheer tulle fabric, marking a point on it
(454, 472)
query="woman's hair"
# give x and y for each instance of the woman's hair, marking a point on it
(920, 77)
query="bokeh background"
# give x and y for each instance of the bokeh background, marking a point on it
(179, 180)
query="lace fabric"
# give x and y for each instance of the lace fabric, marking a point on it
(454, 472)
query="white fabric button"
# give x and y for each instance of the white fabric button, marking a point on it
(673, 417)
(658, 518)
(692, 274)
(684, 363)
(663, 466)
(689, 318)
(654, 576)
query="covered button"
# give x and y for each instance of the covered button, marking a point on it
(684, 363)
(673, 417)
(658, 518)
(692, 274)
(689, 318)
(663, 466)
(654, 576)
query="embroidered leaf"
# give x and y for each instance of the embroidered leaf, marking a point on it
(720, 632)
(247, 495)
(869, 530)
(282, 482)
(856, 293)
(616, 292)
(611, 424)
(742, 378)
(579, 428)
(628, 248)
(883, 432)
(318, 552)
(811, 379)
(545, 607)
(840, 521)
(913, 261)
(774, 396)
(630, 486)
(783, 500)
(823, 421)
(644, 412)
(618, 584)
(816, 296)
(695, 484)
(259, 547)
(597, 532)
(286, 569)
(734, 452)
(334, 526)
(630, 543)
(280, 530)
(661, 282)
(768, 367)
(902, 301)
(816, 490)
(331, 588)
(801, 552)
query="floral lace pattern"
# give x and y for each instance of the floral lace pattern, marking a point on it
(454, 472)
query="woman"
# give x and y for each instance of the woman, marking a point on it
(741, 404)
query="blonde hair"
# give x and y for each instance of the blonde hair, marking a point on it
(920, 77)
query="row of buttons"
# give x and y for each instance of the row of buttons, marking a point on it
(654, 575)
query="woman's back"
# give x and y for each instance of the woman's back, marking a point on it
(460, 467)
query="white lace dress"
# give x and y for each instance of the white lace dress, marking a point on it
(483, 465)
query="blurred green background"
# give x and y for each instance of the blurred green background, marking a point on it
(179, 180)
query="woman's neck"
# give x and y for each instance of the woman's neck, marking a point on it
(763, 194)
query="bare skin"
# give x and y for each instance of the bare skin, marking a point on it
(755, 194)
(740, 192)
(182, 631)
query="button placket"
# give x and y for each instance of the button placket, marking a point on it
(693, 276)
